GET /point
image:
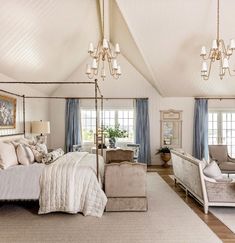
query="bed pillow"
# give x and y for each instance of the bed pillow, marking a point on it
(24, 154)
(41, 147)
(52, 156)
(212, 170)
(7, 155)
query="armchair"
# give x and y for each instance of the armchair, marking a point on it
(135, 148)
(219, 153)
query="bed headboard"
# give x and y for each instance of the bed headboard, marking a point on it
(11, 137)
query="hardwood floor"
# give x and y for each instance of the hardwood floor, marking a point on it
(225, 234)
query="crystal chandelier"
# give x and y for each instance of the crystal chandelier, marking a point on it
(102, 54)
(218, 52)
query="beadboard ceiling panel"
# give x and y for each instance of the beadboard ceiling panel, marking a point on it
(47, 40)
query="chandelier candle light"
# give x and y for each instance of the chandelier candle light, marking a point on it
(218, 52)
(101, 54)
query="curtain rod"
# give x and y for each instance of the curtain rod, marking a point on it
(215, 98)
(42, 82)
(85, 98)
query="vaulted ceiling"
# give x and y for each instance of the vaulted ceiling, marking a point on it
(47, 40)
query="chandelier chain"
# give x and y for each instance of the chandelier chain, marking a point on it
(218, 5)
(103, 18)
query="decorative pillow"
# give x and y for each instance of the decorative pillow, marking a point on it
(38, 154)
(41, 147)
(212, 170)
(7, 155)
(24, 154)
(204, 163)
(52, 156)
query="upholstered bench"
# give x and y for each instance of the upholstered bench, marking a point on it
(125, 186)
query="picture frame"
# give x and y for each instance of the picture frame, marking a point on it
(171, 128)
(7, 112)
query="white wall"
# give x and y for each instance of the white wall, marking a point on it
(35, 109)
(131, 85)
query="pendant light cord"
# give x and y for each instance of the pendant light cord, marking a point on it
(103, 19)
(218, 5)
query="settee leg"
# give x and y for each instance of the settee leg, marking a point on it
(205, 209)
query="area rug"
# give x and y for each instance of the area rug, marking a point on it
(225, 214)
(168, 220)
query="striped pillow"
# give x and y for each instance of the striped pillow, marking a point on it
(24, 154)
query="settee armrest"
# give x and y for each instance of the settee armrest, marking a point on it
(230, 159)
(220, 191)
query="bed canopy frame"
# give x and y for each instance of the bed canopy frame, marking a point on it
(98, 97)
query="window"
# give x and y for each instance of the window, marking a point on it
(221, 129)
(111, 118)
(88, 123)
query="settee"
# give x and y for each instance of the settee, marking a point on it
(188, 171)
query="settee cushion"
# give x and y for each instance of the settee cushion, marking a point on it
(212, 170)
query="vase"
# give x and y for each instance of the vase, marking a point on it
(112, 142)
(165, 157)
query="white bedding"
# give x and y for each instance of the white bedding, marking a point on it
(20, 182)
(70, 185)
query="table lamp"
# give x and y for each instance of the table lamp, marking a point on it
(42, 128)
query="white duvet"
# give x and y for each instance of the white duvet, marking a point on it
(70, 185)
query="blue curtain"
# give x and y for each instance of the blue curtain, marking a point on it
(200, 133)
(72, 124)
(142, 130)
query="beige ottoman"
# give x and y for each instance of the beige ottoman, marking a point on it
(125, 186)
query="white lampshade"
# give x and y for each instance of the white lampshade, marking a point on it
(117, 48)
(203, 51)
(40, 127)
(91, 48)
(105, 44)
(119, 71)
(115, 65)
(232, 44)
(214, 45)
(88, 69)
(94, 64)
(225, 63)
(204, 67)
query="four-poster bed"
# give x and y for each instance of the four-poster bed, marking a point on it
(98, 96)
(72, 184)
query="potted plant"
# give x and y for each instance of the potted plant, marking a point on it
(114, 132)
(165, 155)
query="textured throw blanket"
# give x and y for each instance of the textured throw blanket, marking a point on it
(70, 185)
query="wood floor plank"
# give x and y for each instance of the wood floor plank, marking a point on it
(221, 230)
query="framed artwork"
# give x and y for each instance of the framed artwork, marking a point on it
(171, 128)
(7, 112)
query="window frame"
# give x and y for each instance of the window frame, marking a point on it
(220, 128)
(116, 118)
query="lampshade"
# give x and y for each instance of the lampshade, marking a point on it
(40, 127)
